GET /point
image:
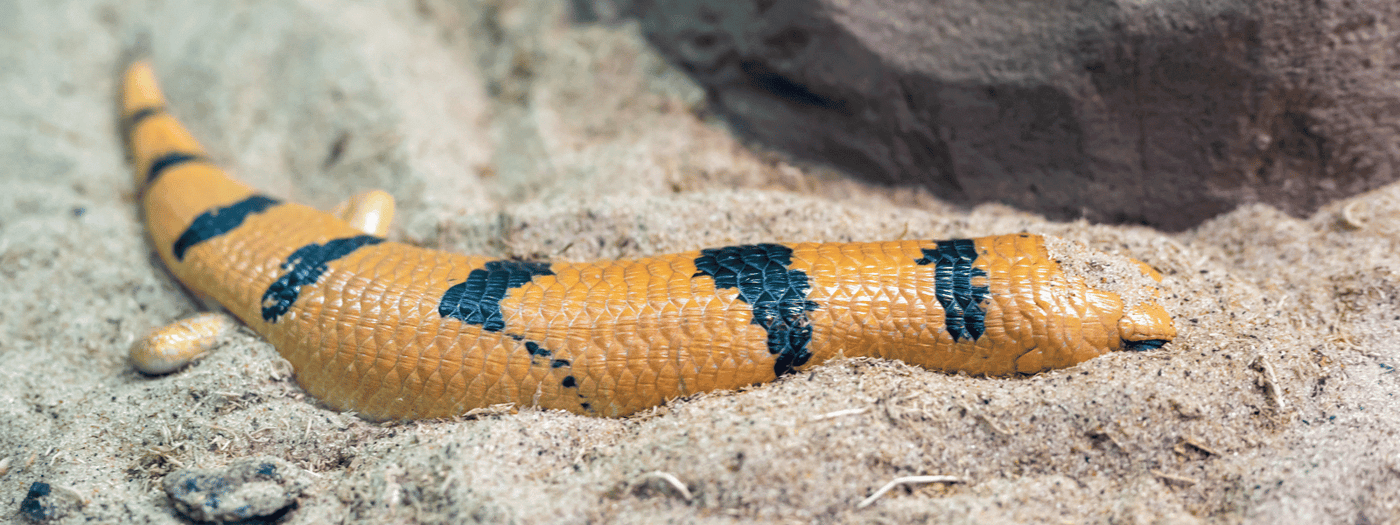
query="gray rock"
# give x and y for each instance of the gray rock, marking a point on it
(42, 504)
(1164, 112)
(247, 489)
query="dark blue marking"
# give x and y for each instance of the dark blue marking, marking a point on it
(135, 119)
(303, 268)
(1142, 346)
(478, 300)
(953, 273)
(536, 350)
(777, 295)
(219, 221)
(569, 382)
(170, 160)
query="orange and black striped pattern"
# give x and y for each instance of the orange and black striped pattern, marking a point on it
(390, 330)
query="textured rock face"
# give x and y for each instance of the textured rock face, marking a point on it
(251, 489)
(1161, 112)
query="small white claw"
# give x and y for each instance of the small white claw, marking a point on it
(165, 350)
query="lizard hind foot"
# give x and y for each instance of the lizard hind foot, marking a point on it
(170, 348)
(370, 212)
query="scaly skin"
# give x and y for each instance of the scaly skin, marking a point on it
(390, 330)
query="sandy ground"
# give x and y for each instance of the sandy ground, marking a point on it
(506, 129)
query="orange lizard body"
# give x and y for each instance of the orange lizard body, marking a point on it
(390, 330)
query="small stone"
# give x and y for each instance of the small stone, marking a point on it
(42, 504)
(248, 489)
(33, 506)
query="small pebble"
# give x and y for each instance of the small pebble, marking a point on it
(33, 505)
(43, 504)
(256, 488)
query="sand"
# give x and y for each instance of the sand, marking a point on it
(504, 128)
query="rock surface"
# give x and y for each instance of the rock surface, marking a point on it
(42, 505)
(248, 489)
(1160, 112)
